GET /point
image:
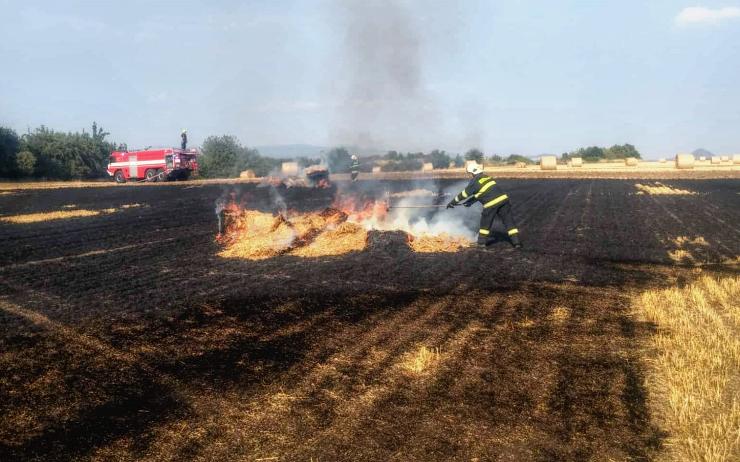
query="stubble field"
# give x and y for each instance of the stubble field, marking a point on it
(124, 336)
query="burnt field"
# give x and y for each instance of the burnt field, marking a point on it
(124, 336)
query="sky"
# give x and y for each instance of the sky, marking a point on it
(527, 77)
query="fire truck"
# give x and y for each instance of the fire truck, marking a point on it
(159, 164)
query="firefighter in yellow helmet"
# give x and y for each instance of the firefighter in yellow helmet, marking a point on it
(482, 188)
(184, 139)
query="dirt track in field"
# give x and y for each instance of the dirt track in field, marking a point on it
(123, 336)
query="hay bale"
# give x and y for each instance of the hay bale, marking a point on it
(376, 169)
(684, 161)
(290, 168)
(549, 163)
(520, 165)
(630, 162)
(452, 164)
(662, 160)
(736, 159)
(576, 162)
(247, 174)
(702, 158)
(427, 167)
(725, 158)
(716, 160)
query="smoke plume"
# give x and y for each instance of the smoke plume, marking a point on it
(379, 77)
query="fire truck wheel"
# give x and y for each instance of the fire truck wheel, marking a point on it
(160, 175)
(118, 176)
(151, 174)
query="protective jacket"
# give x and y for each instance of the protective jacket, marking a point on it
(482, 188)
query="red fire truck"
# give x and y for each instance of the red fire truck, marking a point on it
(159, 164)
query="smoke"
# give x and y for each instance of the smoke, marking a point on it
(379, 76)
(432, 221)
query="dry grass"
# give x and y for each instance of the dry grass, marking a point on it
(659, 189)
(428, 243)
(57, 215)
(683, 240)
(346, 237)
(695, 373)
(257, 235)
(421, 360)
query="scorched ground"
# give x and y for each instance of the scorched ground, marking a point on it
(126, 336)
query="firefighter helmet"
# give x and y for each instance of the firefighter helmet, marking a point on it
(354, 157)
(473, 168)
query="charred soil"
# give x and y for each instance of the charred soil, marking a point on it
(126, 336)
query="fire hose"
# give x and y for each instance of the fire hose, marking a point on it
(416, 206)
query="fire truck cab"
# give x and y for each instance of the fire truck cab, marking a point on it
(159, 164)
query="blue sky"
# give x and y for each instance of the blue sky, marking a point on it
(506, 76)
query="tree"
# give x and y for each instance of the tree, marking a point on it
(68, 155)
(474, 154)
(514, 158)
(26, 163)
(439, 159)
(406, 164)
(219, 156)
(339, 160)
(621, 152)
(495, 159)
(459, 161)
(393, 155)
(9, 145)
(591, 153)
(224, 157)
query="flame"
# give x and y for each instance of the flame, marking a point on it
(337, 230)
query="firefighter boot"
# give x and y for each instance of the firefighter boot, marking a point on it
(516, 242)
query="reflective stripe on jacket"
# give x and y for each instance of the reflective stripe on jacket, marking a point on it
(482, 188)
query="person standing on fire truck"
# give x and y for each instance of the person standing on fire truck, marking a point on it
(355, 167)
(482, 188)
(184, 137)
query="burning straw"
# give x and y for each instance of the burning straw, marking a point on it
(337, 230)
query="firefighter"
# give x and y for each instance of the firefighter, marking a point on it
(355, 167)
(184, 137)
(482, 188)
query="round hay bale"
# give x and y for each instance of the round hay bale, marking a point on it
(247, 174)
(702, 158)
(736, 159)
(427, 167)
(725, 158)
(290, 168)
(376, 169)
(520, 165)
(549, 163)
(716, 160)
(684, 161)
(630, 162)
(576, 162)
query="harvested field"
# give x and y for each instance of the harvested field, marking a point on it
(127, 336)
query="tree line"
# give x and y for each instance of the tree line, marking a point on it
(596, 153)
(45, 153)
(49, 154)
